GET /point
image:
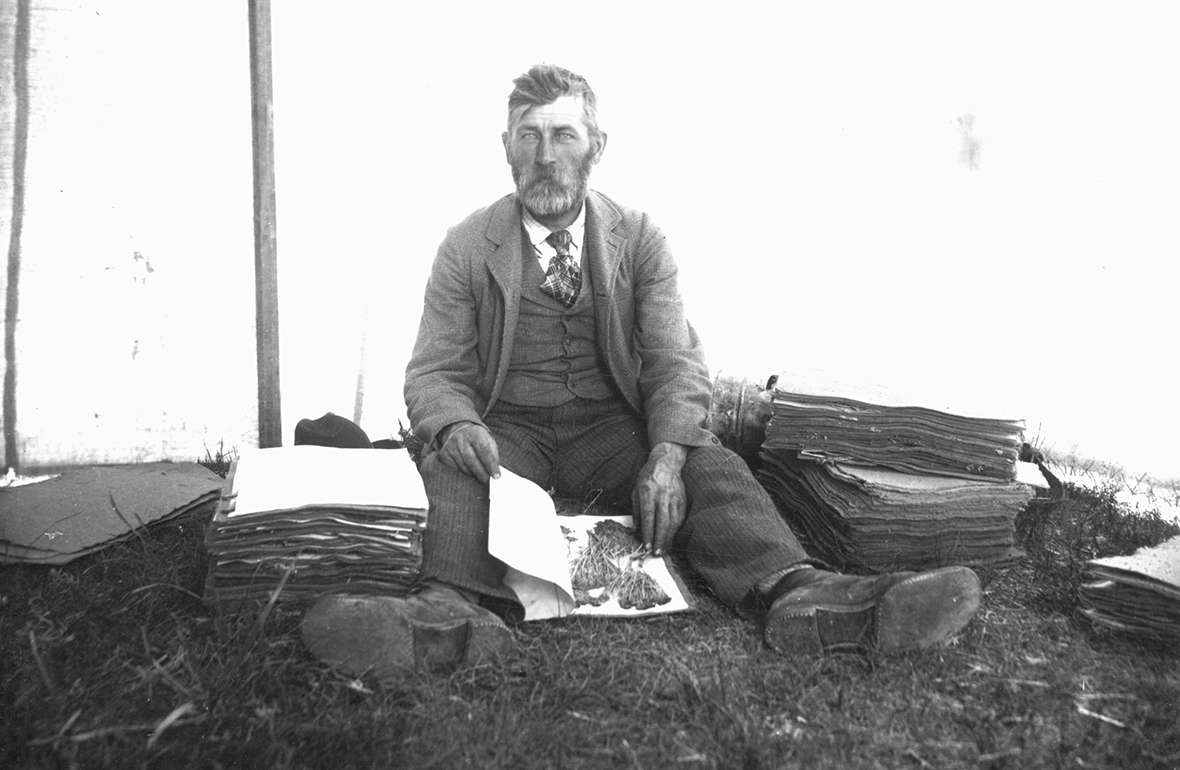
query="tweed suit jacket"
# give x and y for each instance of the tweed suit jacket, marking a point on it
(472, 303)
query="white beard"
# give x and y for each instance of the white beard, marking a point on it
(553, 196)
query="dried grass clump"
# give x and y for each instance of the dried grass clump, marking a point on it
(597, 565)
(614, 539)
(593, 568)
(609, 561)
(634, 588)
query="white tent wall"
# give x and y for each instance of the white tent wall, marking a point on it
(812, 165)
(135, 337)
(971, 203)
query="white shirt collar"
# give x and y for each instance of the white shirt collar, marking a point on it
(538, 232)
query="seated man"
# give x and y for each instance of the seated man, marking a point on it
(553, 343)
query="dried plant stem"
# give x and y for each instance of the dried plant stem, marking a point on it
(274, 597)
(41, 663)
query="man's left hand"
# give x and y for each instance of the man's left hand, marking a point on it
(658, 498)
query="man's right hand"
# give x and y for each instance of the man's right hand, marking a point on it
(469, 447)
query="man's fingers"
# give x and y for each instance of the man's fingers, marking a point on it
(669, 514)
(489, 465)
(488, 454)
(471, 462)
(672, 518)
(470, 448)
(452, 456)
(660, 526)
(643, 504)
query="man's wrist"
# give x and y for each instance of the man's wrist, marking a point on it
(669, 453)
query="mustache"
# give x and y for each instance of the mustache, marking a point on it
(542, 174)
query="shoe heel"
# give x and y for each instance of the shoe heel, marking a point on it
(793, 634)
(486, 641)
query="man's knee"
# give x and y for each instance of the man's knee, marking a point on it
(719, 476)
(713, 459)
(446, 485)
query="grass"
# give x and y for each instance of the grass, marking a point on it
(114, 661)
(1140, 491)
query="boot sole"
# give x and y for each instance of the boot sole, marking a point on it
(381, 635)
(917, 612)
(926, 609)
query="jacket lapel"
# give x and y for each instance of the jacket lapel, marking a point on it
(504, 264)
(503, 258)
(604, 247)
(604, 254)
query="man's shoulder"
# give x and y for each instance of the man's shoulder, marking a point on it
(479, 221)
(610, 209)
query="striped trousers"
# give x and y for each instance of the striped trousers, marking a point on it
(733, 536)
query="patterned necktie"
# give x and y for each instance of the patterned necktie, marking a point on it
(563, 279)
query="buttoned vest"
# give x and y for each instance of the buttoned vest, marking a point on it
(555, 353)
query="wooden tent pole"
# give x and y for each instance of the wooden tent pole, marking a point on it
(20, 146)
(266, 286)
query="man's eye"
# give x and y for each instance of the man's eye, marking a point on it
(528, 135)
(567, 135)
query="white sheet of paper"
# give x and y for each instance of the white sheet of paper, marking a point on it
(524, 534)
(283, 478)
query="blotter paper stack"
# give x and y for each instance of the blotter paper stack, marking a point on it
(878, 486)
(316, 520)
(1139, 593)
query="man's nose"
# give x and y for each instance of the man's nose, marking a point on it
(545, 154)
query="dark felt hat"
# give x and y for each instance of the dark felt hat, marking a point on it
(331, 430)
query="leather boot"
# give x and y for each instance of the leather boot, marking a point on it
(387, 636)
(823, 611)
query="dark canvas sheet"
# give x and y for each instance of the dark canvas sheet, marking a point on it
(85, 509)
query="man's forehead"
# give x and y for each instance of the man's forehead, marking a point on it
(565, 109)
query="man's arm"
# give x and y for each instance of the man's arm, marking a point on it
(673, 377)
(442, 376)
(674, 382)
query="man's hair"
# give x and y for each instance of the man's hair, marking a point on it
(543, 84)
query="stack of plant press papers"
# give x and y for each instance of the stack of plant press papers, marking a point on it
(842, 428)
(878, 485)
(878, 520)
(1139, 593)
(298, 522)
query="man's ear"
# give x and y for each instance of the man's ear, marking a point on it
(507, 153)
(601, 146)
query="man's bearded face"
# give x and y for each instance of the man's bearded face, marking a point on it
(551, 153)
(553, 189)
